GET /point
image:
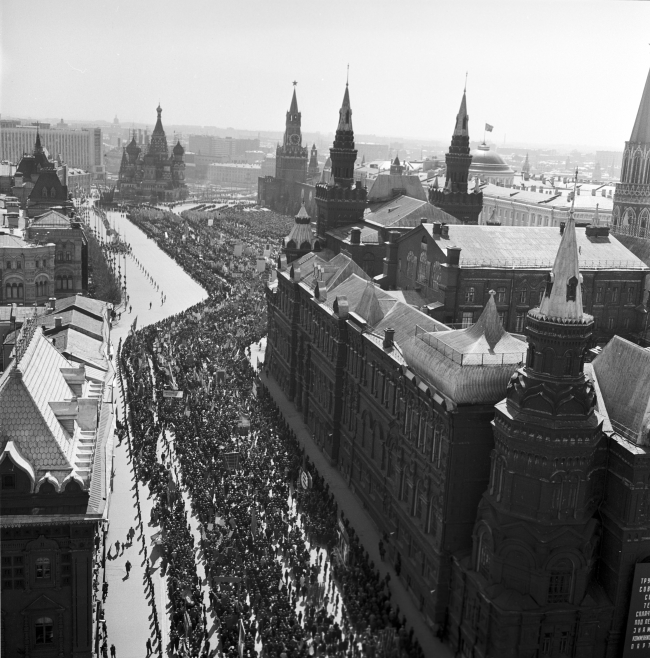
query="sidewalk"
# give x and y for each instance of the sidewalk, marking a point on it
(360, 520)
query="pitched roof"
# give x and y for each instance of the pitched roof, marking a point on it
(383, 186)
(641, 130)
(622, 370)
(406, 211)
(470, 366)
(531, 246)
(368, 306)
(86, 305)
(71, 317)
(51, 219)
(26, 417)
(369, 235)
(80, 348)
(7, 240)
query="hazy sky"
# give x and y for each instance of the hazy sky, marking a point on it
(540, 72)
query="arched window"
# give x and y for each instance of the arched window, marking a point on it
(561, 581)
(44, 631)
(626, 161)
(636, 168)
(410, 265)
(484, 553)
(629, 218)
(68, 255)
(43, 568)
(8, 291)
(291, 244)
(571, 289)
(469, 295)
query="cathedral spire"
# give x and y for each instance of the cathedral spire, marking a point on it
(462, 118)
(563, 296)
(641, 130)
(158, 128)
(38, 148)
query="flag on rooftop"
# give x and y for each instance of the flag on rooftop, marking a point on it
(488, 128)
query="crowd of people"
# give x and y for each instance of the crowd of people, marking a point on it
(286, 573)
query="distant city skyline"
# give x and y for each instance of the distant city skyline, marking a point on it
(543, 73)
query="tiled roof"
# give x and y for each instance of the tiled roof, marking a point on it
(368, 306)
(25, 413)
(531, 246)
(20, 313)
(329, 271)
(622, 370)
(407, 211)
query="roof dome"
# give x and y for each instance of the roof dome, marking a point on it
(178, 149)
(133, 148)
(486, 161)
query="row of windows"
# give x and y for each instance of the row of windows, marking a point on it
(42, 287)
(48, 193)
(60, 255)
(522, 295)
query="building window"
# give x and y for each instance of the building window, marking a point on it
(8, 481)
(469, 295)
(43, 568)
(468, 319)
(68, 256)
(547, 642)
(599, 295)
(630, 292)
(502, 318)
(521, 322)
(571, 289)
(19, 265)
(484, 555)
(610, 324)
(59, 256)
(626, 324)
(8, 264)
(559, 588)
(614, 295)
(523, 296)
(501, 296)
(13, 574)
(44, 630)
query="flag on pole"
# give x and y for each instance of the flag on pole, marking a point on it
(242, 639)
(488, 128)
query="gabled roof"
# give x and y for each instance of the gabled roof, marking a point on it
(368, 306)
(71, 317)
(26, 417)
(383, 186)
(622, 369)
(86, 305)
(80, 348)
(641, 130)
(50, 219)
(406, 211)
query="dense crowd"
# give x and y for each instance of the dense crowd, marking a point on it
(286, 574)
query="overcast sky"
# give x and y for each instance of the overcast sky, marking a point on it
(541, 72)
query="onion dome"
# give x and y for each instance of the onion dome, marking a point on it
(178, 149)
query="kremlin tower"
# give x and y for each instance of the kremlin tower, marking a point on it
(454, 198)
(291, 155)
(631, 213)
(340, 201)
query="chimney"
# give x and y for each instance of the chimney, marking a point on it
(58, 322)
(437, 228)
(389, 338)
(52, 303)
(445, 231)
(453, 256)
(355, 236)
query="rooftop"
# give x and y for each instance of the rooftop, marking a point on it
(532, 247)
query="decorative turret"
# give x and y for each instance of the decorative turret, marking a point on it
(178, 150)
(454, 198)
(133, 150)
(339, 199)
(525, 170)
(631, 213)
(301, 240)
(38, 148)
(396, 167)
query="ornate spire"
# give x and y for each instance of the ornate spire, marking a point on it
(158, 128)
(38, 148)
(641, 130)
(462, 118)
(345, 113)
(294, 101)
(563, 296)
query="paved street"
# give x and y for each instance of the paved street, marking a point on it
(128, 612)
